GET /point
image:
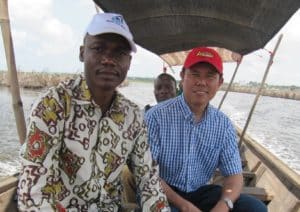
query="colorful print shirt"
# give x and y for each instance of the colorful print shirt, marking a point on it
(74, 154)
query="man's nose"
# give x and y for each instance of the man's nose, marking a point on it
(108, 57)
(163, 91)
(200, 81)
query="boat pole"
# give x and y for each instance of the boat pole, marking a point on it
(231, 81)
(260, 89)
(12, 71)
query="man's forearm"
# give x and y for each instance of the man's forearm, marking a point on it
(232, 187)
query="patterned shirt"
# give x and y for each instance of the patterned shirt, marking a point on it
(74, 154)
(188, 153)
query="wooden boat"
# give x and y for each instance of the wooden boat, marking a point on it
(170, 29)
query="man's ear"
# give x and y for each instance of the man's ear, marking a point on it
(81, 52)
(221, 80)
(182, 73)
(129, 62)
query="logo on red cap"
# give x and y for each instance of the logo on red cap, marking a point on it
(205, 54)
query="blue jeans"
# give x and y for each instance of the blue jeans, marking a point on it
(206, 197)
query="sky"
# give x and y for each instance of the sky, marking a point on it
(47, 35)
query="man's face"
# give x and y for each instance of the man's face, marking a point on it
(164, 88)
(200, 83)
(106, 60)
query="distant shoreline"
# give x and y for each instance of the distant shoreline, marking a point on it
(40, 80)
(286, 92)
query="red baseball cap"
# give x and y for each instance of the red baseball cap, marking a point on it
(206, 55)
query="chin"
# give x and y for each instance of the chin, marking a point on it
(200, 102)
(106, 86)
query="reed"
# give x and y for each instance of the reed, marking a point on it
(36, 80)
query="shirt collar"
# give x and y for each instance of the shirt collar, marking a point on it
(187, 113)
(82, 95)
(80, 91)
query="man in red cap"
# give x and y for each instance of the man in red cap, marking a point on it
(190, 139)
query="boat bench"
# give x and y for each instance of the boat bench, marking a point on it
(249, 177)
(259, 193)
(244, 163)
(8, 189)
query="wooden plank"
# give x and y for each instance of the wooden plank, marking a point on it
(296, 207)
(249, 177)
(8, 183)
(8, 202)
(288, 177)
(259, 193)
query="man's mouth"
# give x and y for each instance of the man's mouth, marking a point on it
(106, 73)
(201, 92)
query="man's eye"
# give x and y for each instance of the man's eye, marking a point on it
(211, 76)
(97, 48)
(195, 74)
(123, 53)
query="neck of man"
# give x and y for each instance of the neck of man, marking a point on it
(198, 111)
(104, 99)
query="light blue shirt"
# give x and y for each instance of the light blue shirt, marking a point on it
(188, 153)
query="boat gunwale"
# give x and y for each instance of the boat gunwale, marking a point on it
(288, 177)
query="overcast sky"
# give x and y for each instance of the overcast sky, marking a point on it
(47, 35)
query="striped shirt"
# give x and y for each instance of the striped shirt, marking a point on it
(188, 153)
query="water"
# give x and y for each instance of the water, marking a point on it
(275, 123)
(9, 162)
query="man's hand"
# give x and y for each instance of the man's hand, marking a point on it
(188, 207)
(220, 207)
(179, 202)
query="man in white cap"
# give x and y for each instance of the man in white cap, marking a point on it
(82, 133)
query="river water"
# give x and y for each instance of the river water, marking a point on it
(275, 123)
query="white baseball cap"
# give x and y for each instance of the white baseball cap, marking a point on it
(110, 23)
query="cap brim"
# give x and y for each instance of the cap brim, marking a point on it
(204, 61)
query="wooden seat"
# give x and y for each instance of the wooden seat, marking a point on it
(259, 193)
(8, 188)
(244, 163)
(249, 177)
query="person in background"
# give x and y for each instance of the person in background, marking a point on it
(190, 139)
(164, 88)
(179, 90)
(83, 132)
